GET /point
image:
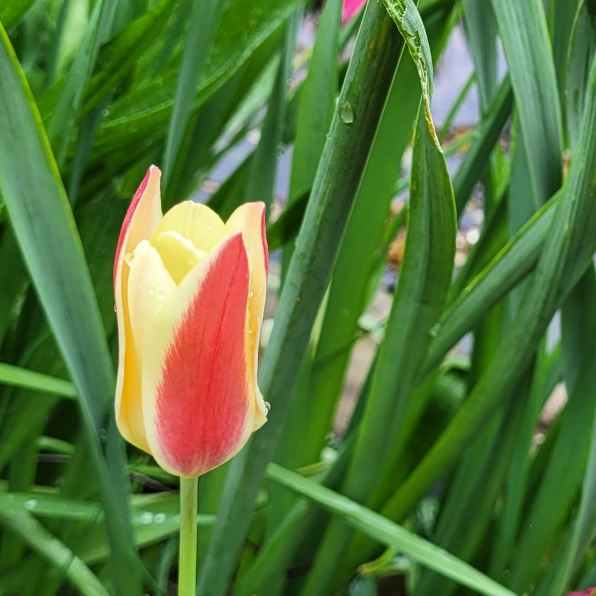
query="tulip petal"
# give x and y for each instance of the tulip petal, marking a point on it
(195, 222)
(195, 394)
(250, 220)
(149, 287)
(142, 217)
(178, 254)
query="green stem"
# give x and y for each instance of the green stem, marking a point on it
(187, 567)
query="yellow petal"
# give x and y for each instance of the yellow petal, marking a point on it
(195, 222)
(178, 254)
(149, 287)
(250, 220)
(141, 219)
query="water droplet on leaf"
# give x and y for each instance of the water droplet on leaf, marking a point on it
(346, 115)
(146, 518)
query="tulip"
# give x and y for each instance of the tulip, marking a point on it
(588, 592)
(190, 292)
(350, 8)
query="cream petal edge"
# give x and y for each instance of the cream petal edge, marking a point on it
(149, 205)
(249, 219)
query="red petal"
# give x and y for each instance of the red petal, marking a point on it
(198, 407)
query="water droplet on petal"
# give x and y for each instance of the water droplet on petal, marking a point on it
(251, 294)
(267, 405)
(128, 257)
(160, 295)
(151, 290)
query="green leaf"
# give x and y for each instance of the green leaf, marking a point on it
(349, 289)
(260, 178)
(486, 135)
(204, 22)
(44, 226)
(562, 16)
(317, 102)
(559, 484)
(513, 262)
(56, 552)
(425, 278)
(315, 111)
(28, 379)
(12, 281)
(581, 51)
(575, 221)
(386, 532)
(523, 29)
(61, 123)
(481, 32)
(12, 12)
(119, 56)
(364, 92)
(138, 121)
(51, 507)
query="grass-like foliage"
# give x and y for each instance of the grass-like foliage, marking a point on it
(436, 470)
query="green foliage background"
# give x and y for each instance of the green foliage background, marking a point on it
(438, 485)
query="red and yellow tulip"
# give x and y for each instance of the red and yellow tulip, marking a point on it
(190, 292)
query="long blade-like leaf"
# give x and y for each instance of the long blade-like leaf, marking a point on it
(363, 95)
(45, 230)
(390, 534)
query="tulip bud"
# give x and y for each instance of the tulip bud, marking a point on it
(350, 8)
(190, 293)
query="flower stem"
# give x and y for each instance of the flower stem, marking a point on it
(187, 566)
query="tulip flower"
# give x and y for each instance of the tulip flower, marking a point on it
(190, 292)
(588, 592)
(350, 8)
